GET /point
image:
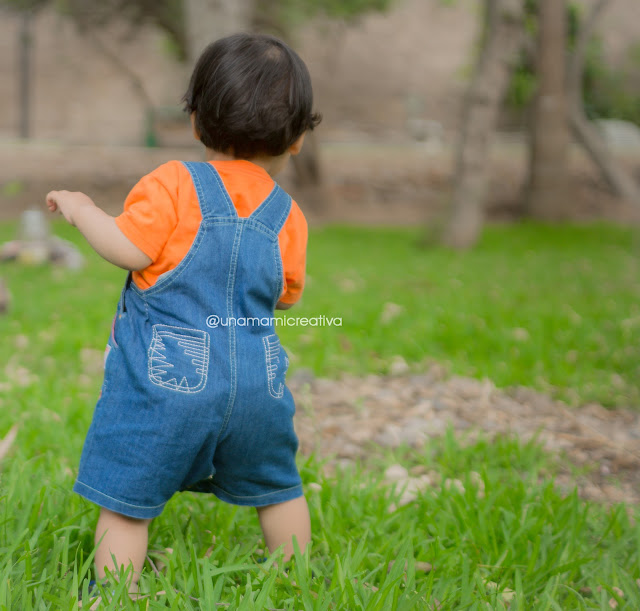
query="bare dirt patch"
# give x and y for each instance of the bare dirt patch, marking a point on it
(355, 418)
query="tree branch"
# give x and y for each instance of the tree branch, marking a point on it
(121, 66)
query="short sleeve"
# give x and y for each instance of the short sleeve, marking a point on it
(293, 247)
(150, 216)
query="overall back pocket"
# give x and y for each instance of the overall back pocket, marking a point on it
(179, 358)
(277, 363)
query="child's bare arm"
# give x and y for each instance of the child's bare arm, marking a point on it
(281, 305)
(99, 228)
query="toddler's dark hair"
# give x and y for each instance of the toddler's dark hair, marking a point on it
(252, 96)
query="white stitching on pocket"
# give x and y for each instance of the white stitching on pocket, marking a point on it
(272, 360)
(186, 351)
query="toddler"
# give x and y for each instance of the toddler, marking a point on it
(194, 395)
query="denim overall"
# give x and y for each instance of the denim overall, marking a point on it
(194, 394)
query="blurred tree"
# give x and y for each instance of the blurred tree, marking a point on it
(558, 105)
(23, 5)
(618, 179)
(168, 15)
(579, 87)
(547, 189)
(282, 16)
(90, 16)
(501, 41)
(192, 24)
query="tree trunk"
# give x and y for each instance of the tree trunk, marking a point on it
(308, 178)
(547, 192)
(502, 40)
(620, 181)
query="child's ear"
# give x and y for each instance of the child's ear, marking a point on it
(296, 147)
(196, 134)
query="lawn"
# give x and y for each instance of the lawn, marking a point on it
(555, 308)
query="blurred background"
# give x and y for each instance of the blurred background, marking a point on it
(424, 102)
(474, 196)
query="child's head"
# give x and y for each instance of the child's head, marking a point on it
(251, 95)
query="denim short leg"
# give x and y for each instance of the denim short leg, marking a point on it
(255, 459)
(116, 505)
(140, 448)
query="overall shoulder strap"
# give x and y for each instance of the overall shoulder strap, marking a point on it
(212, 196)
(274, 210)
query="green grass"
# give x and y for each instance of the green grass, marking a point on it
(521, 539)
(555, 308)
(571, 289)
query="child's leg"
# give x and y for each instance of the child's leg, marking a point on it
(281, 522)
(122, 537)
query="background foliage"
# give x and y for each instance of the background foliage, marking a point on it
(607, 92)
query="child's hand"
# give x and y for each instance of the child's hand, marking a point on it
(67, 203)
(99, 228)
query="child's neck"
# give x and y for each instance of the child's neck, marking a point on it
(272, 165)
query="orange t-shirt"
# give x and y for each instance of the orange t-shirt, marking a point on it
(162, 216)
